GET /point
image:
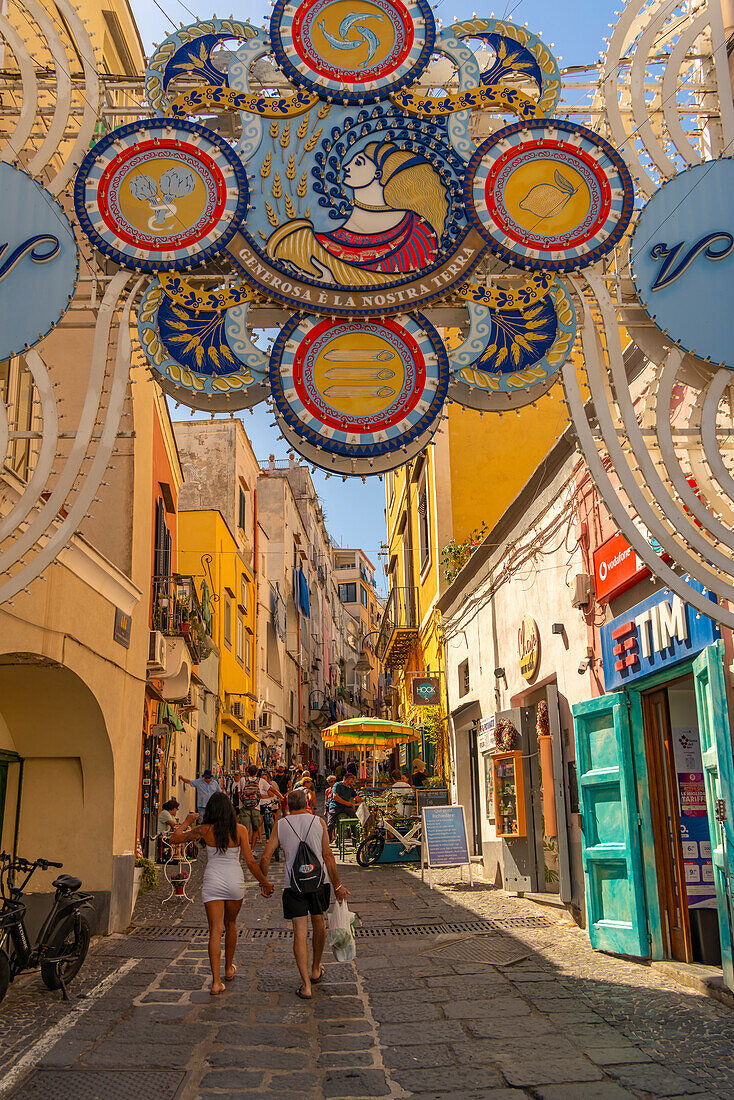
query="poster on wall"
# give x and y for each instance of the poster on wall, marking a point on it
(695, 838)
(489, 788)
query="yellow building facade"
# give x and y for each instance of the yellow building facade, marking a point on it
(209, 551)
(462, 483)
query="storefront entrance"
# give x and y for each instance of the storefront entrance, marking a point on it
(682, 841)
(656, 781)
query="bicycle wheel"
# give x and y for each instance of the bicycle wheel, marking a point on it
(4, 973)
(69, 943)
(370, 850)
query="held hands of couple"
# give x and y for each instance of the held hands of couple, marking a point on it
(266, 889)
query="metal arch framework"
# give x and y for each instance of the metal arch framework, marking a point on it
(665, 80)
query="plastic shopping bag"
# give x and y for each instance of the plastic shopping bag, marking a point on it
(362, 813)
(341, 933)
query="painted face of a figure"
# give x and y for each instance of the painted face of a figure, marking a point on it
(360, 171)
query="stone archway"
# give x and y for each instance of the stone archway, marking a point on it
(59, 796)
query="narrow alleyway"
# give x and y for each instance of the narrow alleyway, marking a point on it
(421, 1012)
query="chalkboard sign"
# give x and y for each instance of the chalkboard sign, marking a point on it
(444, 833)
(431, 796)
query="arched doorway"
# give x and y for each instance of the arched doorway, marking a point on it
(57, 787)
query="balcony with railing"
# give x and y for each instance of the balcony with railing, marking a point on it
(398, 627)
(177, 613)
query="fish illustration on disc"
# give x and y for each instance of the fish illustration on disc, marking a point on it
(546, 200)
(367, 35)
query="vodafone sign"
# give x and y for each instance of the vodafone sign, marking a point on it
(616, 568)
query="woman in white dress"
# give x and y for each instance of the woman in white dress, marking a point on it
(223, 888)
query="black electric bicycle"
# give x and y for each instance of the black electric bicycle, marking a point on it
(63, 941)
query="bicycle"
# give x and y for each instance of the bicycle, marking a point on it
(63, 940)
(378, 828)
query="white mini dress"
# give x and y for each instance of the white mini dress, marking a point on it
(223, 876)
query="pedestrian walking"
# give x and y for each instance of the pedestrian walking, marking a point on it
(249, 814)
(223, 886)
(269, 800)
(283, 783)
(205, 787)
(307, 786)
(303, 899)
(330, 781)
(343, 802)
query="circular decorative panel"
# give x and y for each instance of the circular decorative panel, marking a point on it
(682, 260)
(38, 262)
(525, 351)
(359, 388)
(157, 195)
(201, 356)
(357, 51)
(549, 195)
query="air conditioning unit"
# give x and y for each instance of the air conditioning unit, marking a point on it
(238, 709)
(156, 652)
(581, 590)
(265, 720)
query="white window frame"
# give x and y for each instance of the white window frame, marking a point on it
(227, 622)
(240, 651)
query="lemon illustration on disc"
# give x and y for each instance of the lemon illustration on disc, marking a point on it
(546, 200)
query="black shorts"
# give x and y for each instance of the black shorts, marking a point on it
(300, 905)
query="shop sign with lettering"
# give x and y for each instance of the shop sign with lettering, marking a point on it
(616, 568)
(528, 647)
(485, 740)
(655, 634)
(426, 691)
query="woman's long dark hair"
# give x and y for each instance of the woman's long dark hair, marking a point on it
(219, 813)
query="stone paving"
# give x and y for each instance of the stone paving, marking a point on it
(403, 1020)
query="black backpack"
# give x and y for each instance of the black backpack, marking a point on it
(307, 872)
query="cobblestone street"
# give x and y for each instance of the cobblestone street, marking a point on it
(419, 1012)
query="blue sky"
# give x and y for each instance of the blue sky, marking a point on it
(355, 512)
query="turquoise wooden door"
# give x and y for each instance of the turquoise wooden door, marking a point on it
(612, 858)
(718, 777)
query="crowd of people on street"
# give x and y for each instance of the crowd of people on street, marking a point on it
(276, 807)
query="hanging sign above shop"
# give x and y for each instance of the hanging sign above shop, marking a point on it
(528, 648)
(656, 633)
(426, 691)
(486, 739)
(38, 262)
(616, 568)
(682, 260)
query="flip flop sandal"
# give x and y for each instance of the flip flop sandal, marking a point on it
(216, 992)
(315, 981)
(302, 995)
(233, 975)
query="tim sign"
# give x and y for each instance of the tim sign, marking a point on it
(660, 631)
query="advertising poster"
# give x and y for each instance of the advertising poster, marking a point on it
(489, 788)
(694, 826)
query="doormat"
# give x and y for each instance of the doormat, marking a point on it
(100, 1084)
(493, 948)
